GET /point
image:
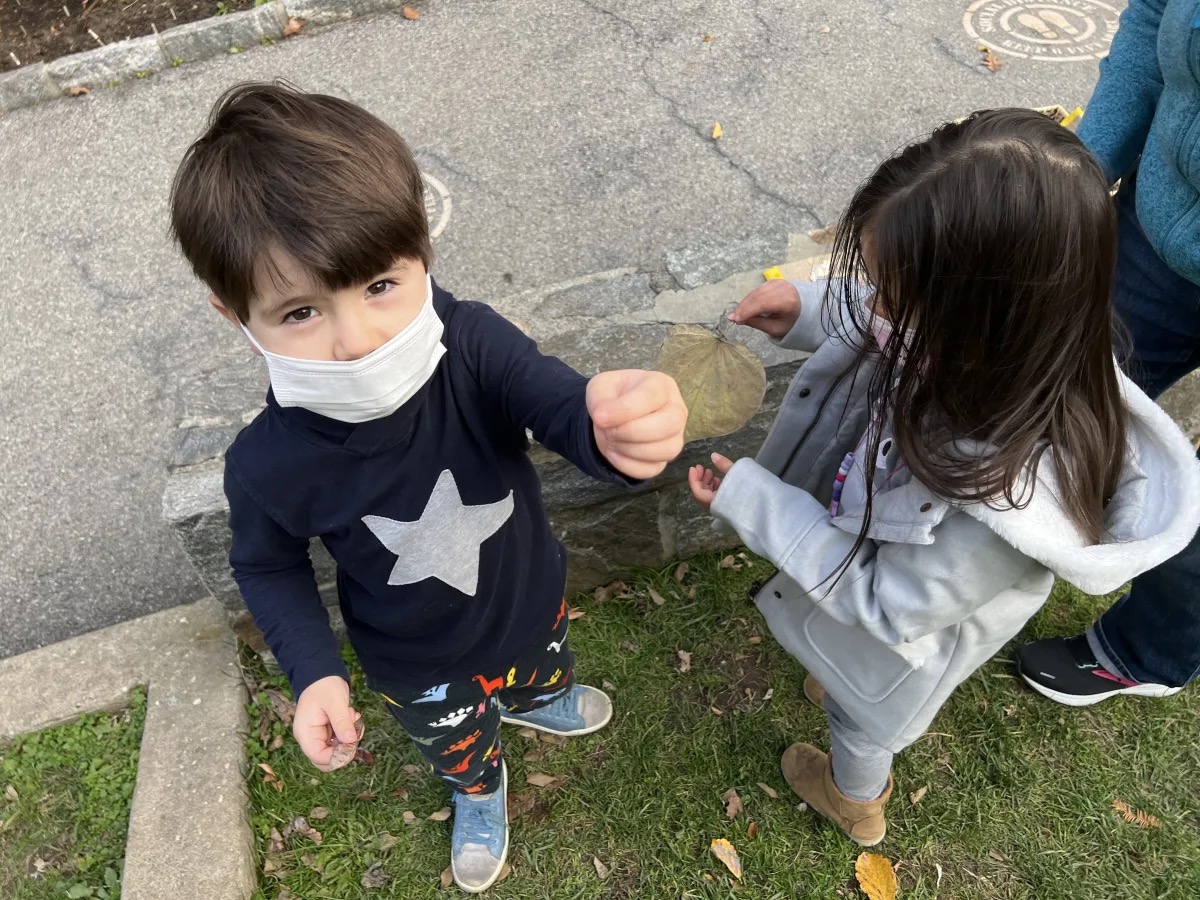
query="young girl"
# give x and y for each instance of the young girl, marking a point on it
(960, 436)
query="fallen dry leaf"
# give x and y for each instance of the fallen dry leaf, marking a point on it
(541, 779)
(310, 862)
(727, 853)
(504, 873)
(752, 830)
(366, 796)
(915, 797)
(374, 877)
(824, 29)
(410, 769)
(399, 793)
(534, 756)
(269, 777)
(556, 739)
(681, 571)
(576, 614)
(768, 790)
(283, 708)
(990, 60)
(317, 813)
(658, 598)
(756, 639)
(601, 868)
(733, 803)
(386, 842)
(875, 876)
(608, 685)
(275, 845)
(520, 805)
(268, 867)
(692, 592)
(345, 753)
(997, 856)
(728, 562)
(685, 661)
(716, 710)
(364, 756)
(277, 743)
(293, 27)
(411, 14)
(528, 733)
(11, 792)
(446, 878)
(1135, 816)
(708, 38)
(78, 91)
(410, 818)
(441, 815)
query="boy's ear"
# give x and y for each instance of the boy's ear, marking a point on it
(230, 315)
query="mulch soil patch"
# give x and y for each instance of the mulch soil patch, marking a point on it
(33, 31)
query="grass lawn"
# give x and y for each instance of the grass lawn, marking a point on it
(64, 810)
(1017, 802)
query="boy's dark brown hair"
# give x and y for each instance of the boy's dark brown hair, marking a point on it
(992, 249)
(280, 170)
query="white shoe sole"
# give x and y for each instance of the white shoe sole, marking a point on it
(1141, 690)
(503, 855)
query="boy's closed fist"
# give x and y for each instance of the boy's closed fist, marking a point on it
(325, 726)
(638, 419)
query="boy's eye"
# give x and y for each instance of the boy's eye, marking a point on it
(379, 288)
(303, 314)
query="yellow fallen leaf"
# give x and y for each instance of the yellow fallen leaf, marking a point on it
(1075, 115)
(409, 13)
(708, 39)
(875, 876)
(576, 614)
(446, 878)
(1135, 816)
(717, 130)
(601, 868)
(915, 797)
(727, 853)
(773, 274)
(722, 383)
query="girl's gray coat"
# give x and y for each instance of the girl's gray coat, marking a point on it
(937, 589)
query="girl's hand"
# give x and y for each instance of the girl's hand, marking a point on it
(772, 308)
(704, 482)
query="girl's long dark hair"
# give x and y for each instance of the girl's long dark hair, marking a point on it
(991, 246)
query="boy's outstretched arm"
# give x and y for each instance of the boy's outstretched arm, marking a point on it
(639, 415)
(275, 575)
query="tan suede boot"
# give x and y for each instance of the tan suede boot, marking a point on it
(810, 775)
(814, 692)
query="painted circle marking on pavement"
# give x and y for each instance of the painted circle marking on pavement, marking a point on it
(1058, 31)
(437, 204)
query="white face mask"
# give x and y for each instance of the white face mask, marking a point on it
(360, 390)
(882, 329)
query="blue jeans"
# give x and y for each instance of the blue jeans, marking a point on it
(1153, 633)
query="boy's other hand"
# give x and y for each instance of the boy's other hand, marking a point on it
(772, 308)
(638, 419)
(326, 726)
(704, 482)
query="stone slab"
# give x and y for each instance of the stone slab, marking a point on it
(108, 64)
(323, 12)
(211, 37)
(708, 263)
(188, 832)
(26, 86)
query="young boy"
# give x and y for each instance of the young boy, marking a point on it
(395, 431)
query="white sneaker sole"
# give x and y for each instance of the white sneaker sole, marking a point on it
(1141, 690)
(512, 720)
(479, 889)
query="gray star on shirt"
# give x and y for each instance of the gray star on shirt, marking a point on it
(445, 542)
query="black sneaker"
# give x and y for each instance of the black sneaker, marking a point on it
(1066, 671)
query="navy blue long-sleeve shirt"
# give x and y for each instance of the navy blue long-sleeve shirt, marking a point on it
(446, 563)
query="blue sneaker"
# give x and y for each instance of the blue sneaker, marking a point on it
(581, 710)
(479, 842)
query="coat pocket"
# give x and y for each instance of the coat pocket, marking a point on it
(868, 668)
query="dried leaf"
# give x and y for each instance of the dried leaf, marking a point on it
(727, 854)
(875, 876)
(374, 877)
(364, 756)
(755, 639)
(768, 790)
(556, 739)
(728, 562)
(293, 27)
(685, 661)
(997, 856)
(410, 769)
(441, 815)
(681, 570)
(386, 842)
(283, 708)
(576, 614)
(824, 29)
(708, 38)
(447, 878)
(275, 844)
(310, 862)
(410, 818)
(733, 803)
(520, 805)
(608, 685)
(752, 830)
(717, 131)
(528, 733)
(504, 873)
(399, 793)
(534, 756)
(1135, 816)
(990, 60)
(658, 598)
(277, 743)
(317, 813)
(78, 91)
(541, 779)
(345, 753)
(366, 796)
(692, 592)
(601, 868)
(915, 797)
(11, 792)
(268, 867)
(411, 14)
(716, 710)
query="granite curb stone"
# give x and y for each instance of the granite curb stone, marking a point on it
(212, 37)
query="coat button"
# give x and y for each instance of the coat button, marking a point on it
(804, 392)
(926, 507)
(778, 596)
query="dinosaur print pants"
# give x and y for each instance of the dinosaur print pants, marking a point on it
(456, 726)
